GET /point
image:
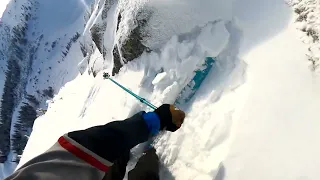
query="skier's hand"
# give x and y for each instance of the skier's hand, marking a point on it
(171, 118)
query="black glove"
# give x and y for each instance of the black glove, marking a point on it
(171, 118)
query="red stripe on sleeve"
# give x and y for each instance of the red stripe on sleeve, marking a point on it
(82, 155)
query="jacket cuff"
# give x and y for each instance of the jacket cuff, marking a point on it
(153, 122)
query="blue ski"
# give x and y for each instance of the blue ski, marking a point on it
(191, 88)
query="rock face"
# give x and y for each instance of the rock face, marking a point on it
(116, 61)
(97, 33)
(307, 14)
(3, 159)
(98, 29)
(132, 47)
(125, 49)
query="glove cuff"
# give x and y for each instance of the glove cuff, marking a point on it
(153, 122)
(165, 116)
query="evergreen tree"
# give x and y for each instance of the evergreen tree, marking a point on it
(32, 100)
(8, 101)
(48, 92)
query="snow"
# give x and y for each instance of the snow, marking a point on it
(159, 78)
(3, 5)
(177, 17)
(254, 117)
(55, 71)
(277, 126)
(62, 18)
(214, 38)
(7, 168)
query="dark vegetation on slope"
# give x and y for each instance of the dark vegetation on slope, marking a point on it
(5, 38)
(8, 102)
(69, 44)
(10, 94)
(19, 57)
(21, 53)
(48, 92)
(22, 127)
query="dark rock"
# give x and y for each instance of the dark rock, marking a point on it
(119, 20)
(97, 33)
(3, 159)
(98, 29)
(132, 47)
(106, 8)
(116, 61)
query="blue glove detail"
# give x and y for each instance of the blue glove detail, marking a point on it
(153, 122)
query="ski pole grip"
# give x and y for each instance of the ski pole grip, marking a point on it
(106, 75)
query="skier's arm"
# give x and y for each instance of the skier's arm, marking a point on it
(88, 154)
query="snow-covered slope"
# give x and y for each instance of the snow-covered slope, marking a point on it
(3, 6)
(7, 168)
(44, 66)
(254, 117)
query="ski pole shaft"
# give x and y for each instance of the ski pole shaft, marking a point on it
(142, 100)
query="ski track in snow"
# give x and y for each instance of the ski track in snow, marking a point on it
(90, 99)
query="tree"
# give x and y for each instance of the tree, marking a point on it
(15, 55)
(27, 115)
(32, 100)
(49, 92)
(8, 102)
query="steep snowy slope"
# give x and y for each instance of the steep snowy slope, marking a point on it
(3, 6)
(42, 67)
(255, 116)
(7, 168)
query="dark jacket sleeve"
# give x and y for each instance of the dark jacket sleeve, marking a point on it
(86, 154)
(114, 139)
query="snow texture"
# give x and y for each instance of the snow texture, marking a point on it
(254, 117)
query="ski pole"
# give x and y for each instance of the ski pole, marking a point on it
(142, 100)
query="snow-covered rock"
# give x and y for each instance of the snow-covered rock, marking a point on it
(307, 15)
